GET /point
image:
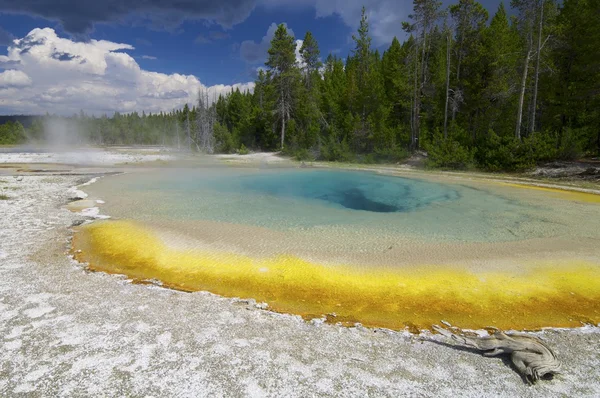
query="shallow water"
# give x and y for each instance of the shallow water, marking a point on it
(292, 199)
(381, 250)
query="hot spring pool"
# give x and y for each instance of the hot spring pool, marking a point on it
(381, 250)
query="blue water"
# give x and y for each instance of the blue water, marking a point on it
(334, 203)
(349, 190)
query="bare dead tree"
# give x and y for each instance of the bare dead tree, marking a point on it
(424, 18)
(533, 358)
(205, 122)
(527, 10)
(448, 32)
(177, 133)
(188, 131)
(540, 47)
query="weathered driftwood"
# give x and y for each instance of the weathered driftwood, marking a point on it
(531, 356)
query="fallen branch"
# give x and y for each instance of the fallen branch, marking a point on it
(532, 357)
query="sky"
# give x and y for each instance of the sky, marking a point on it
(154, 55)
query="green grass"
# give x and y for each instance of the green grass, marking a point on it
(4, 197)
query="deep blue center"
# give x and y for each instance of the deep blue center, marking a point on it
(351, 190)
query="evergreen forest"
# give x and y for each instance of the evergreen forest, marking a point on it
(497, 92)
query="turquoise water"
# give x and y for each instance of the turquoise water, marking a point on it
(331, 203)
(348, 190)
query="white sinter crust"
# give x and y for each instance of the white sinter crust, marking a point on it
(66, 332)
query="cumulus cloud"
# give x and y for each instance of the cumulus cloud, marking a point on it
(14, 78)
(79, 16)
(58, 75)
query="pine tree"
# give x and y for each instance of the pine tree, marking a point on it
(282, 61)
(310, 58)
(527, 11)
(499, 78)
(398, 87)
(469, 19)
(425, 14)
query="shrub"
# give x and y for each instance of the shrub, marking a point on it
(336, 151)
(543, 146)
(572, 143)
(12, 133)
(303, 154)
(224, 139)
(495, 153)
(387, 155)
(243, 150)
(448, 153)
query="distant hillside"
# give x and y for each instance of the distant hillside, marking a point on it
(25, 120)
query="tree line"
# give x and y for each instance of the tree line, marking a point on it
(497, 93)
(189, 129)
(500, 93)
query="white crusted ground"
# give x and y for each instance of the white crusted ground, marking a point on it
(66, 332)
(99, 157)
(258, 157)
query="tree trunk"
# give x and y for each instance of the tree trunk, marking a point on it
(447, 86)
(598, 141)
(418, 97)
(522, 95)
(537, 70)
(282, 120)
(457, 77)
(413, 138)
(188, 132)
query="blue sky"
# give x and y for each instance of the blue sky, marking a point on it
(194, 48)
(215, 44)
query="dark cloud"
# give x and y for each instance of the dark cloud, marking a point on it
(27, 43)
(5, 38)
(61, 56)
(79, 16)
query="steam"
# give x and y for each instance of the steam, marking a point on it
(63, 134)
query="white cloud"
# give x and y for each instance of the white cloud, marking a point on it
(14, 78)
(299, 60)
(149, 57)
(61, 76)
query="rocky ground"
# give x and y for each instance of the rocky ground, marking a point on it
(588, 170)
(68, 332)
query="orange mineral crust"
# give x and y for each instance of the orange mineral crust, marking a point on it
(545, 294)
